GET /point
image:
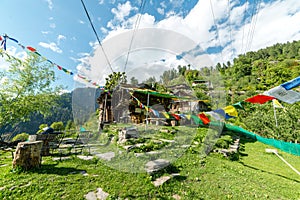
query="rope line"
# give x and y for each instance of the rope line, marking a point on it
(136, 25)
(86, 12)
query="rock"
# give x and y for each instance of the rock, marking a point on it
(91, 196)
(156, 165)
(101, 194)
(126, 134)
(161, 180)
(106, 156)
(176, 196)
(85, 157)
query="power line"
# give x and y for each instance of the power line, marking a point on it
(217, 31)
(255, 20)
(230, 29)
(87, 14)
(136, 26)
(246, 3)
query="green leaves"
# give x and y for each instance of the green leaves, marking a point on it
(26, 88)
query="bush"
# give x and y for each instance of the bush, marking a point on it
(21, 137)
(58, 126)
(224, 142)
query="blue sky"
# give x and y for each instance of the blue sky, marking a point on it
(60, 31)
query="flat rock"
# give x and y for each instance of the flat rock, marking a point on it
(161, 180)
(85, 157)
(91, 196)
(156, 165)
(101, 194)
(106, 156)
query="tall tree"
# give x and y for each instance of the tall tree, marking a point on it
(26, 88)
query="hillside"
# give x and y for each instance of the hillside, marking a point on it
(256, 175)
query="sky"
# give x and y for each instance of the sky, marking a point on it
(143, 38)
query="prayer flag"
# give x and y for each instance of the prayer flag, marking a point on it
(31, 49)
(291, 84)
(280, 93)
(188, 117)
(155, 112)
(260, 98)
(59, 67)
(214, 115)
(177, 117)
(204, 118)
(0, 38)
(239, 105)
(13, 39)
(221, 112)
(166, 115)
(276, 104)
(231, 111)
(196, 119)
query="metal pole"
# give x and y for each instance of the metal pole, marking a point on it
(275, 115)
(148, 97)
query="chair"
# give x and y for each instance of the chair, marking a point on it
(50, 141)
(77, 144)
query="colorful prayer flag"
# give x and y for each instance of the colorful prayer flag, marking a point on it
(204, 118)
(166, 115)
(260, 98)
(177, 117)
(291, 84)
(31, 49)
(280, 93)
(238, 105)
(231, 111)
(276, 104)
(214, 115)
(221, 112)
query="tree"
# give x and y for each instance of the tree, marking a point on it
(114, 79)
(134, 81)
(26, 88)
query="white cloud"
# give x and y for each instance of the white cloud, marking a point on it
(163, 4)
(52, 25)
(45, 32)
(60, 38)
(52, 46)
(81, 22)
(122, 11)
(161, 11)
(50, 4)
(101, 2)
(275, 22)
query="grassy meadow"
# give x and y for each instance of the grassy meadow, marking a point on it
(253, 174)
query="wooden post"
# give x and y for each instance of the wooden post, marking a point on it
(28, 155)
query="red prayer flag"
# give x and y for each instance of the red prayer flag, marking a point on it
(204, 118)
(177, 117)
(0, 38)
(59, 67)
(31, 49)
(260, 98)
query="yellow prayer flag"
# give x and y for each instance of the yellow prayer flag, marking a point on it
(276, 104)
(231, 111)
(188, 117)
(146, 108)
(166, 115)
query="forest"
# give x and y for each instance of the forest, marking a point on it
(247, 75)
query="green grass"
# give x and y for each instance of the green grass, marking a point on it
(256, 175)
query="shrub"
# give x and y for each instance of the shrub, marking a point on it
(21, 137)
(224, 142)
(58, 126)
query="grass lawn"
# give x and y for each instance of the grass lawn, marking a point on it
(255, 175)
